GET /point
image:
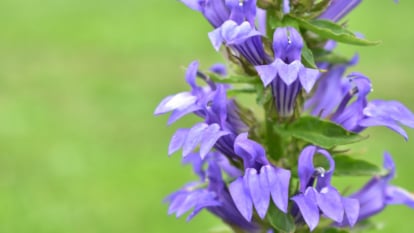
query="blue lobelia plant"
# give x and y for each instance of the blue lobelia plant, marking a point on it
(274, 173)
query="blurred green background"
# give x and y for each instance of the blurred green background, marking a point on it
(79, 79)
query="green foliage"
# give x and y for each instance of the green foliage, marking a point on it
(319, 132)
(284, 223)
(346, 165)
(308, 58)
(330, 30)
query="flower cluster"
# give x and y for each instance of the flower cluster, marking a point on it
(274, 173)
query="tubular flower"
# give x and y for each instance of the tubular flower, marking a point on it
(359, 114)
(243, 39)
(222, 121)
(261, 181)
(218, 11)
(317, 195)
(330, 89)
(378, 193)
(286, 74)
(209, 193)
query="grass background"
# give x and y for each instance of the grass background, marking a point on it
(79, 148)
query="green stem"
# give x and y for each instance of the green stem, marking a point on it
(273, 139)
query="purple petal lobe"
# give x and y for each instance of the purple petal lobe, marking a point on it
(249, 150)
(278, 180)
(177, 140)
(308, 208)
(397, 195)
(391, 124)
(210, 137)
(286, 6)
(192, 4)
(260, 197)
(288, 72)
(194, 137)
(267, 73)
(177, 101)
(191, 74)
(178, 113)
(305, 166)
(241, 198)
(219, 69)
(351, 207)
(330, 203)
(308, 78)
(216, 38)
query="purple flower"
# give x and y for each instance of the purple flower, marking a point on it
(184, 103)
(287, 74)
(228, 211)
(219, 11)
(317, 195)
(339, 9)
(378, 193)
(330, 89)
(242, 38)
(191, 197)
(209, 193)
(359, 114)
(222, 116)
(261, 181)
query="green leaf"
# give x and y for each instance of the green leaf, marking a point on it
(280, 221)
(331, 30)
(307, 58)
(273, 20)
(319, 132)
(345, 165)
(264, 95)
(234, 79)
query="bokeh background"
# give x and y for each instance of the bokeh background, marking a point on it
(80, 150)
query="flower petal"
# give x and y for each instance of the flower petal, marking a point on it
(241, 198)
(177, 140)
(308, 208)
(397, 195)
(193, 138)
(305, 166)
(389, 123)
(267, 73)
(330, 203)
(178, 113)
(259, 194)
(308, 78)
(210, 137)
(351, 207)
(216, 38)
(289, 72)
(192, 4)
(177, 101)
(278, 180)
